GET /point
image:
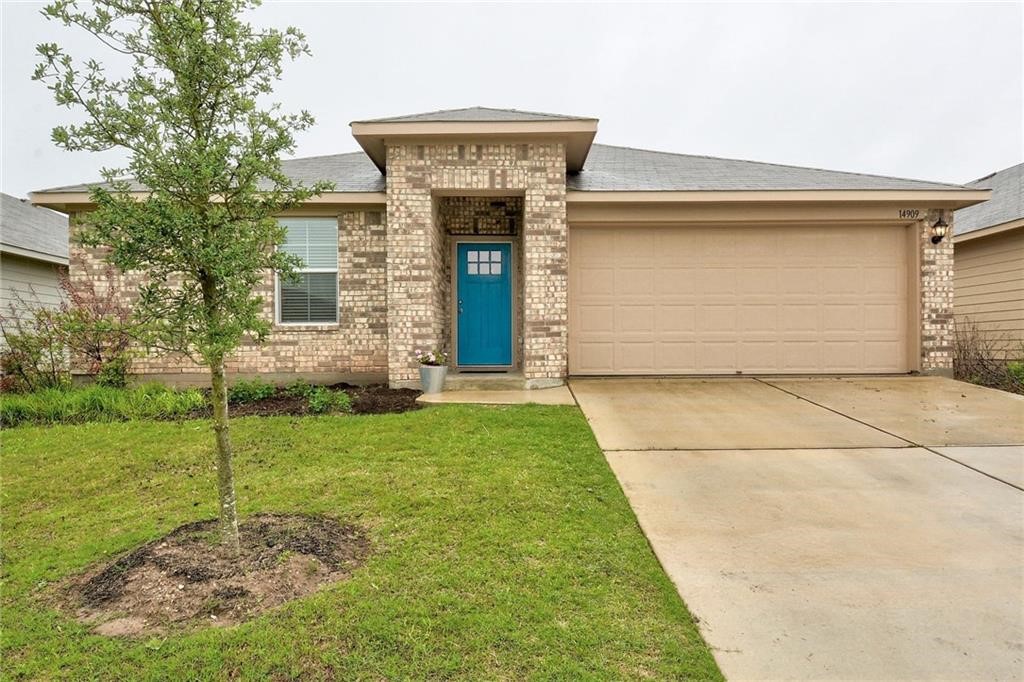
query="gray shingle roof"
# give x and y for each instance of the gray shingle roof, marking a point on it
(477, 114)
(350, 172)
(613, 169)
(619, 169)
(32, 229)
(1006, 204)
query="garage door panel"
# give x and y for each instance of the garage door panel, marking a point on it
(883, 318)
(721, 300)
(596, 357)
(677, 357)
(759, 281)
(595, 281)
(671, 280)
(677, 317)
(634, 280)
(796, 280)
(841, 317)
(595, 318)
(636, 356)
(634, 318)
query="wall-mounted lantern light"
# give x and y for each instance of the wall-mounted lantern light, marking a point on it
(939, 230)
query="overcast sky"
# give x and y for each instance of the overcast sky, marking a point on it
(923, 90)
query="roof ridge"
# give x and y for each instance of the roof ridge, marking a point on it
(323, 156)
(476, 107)
(995, 173)
(779, 165)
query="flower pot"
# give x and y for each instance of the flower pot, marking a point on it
(432, 378)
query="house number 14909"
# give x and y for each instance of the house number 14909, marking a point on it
(911, 213)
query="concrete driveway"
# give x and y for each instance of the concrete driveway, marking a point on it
(831, 528)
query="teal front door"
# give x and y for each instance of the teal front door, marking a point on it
(484, 299)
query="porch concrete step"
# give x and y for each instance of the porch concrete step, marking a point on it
(484, 381)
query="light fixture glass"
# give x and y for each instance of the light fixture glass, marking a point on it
(939, 231)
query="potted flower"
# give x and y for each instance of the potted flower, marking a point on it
(433, 369)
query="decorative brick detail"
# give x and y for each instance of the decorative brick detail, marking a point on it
(480, 215)
(356, 345)
(936, 296)
(417, 244)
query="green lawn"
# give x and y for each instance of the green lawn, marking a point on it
(503, 549)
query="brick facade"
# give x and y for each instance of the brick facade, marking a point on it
(394, 268)
(936, 296)
(419, 178)
(356, 345)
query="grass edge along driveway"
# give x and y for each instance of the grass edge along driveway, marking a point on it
(503, 549)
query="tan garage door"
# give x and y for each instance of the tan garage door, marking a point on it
(722, 300)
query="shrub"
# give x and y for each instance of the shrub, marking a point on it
(981, 359)
(323, 400)
(97, 327)
(300, 388)
(1016, 370)
(90, 328)
(250, 391)
(98, 403)
(34, 357)
(114, 372)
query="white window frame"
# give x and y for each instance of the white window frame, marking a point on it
(299, 271)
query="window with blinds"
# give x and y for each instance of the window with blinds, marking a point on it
(312, 298)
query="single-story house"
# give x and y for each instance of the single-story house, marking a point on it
(513, 241)
(33, 256)
(988, 252)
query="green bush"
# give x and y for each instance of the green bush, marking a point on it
(323, 400)
(250, 391)
(300, 388)
(98, 403)
(1016, 370)
(114, 372)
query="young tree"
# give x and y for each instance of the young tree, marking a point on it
(197, 220)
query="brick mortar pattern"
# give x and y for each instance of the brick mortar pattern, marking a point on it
(936, 296)
(417, 243)
(356, 345)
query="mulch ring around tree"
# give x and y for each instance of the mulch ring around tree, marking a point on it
(188, 579)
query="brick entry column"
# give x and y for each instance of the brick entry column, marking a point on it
(936, 296)
(415, 258)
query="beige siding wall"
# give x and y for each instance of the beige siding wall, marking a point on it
(989, 288)
(29, 282)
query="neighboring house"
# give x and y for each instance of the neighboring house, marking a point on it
(33, 254)
(989, 263)
(511, 240)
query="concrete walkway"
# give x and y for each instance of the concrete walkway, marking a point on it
(831, 528)
(559, 395)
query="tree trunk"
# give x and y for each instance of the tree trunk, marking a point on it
(225, 474)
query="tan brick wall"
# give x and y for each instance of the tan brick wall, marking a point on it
(417, 286)
(936, 297)
(480, 215)
(356, 345)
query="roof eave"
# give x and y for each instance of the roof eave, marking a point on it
(987, 231)
(932, 198)
(69, 202)
(578, 135)
(33, 254)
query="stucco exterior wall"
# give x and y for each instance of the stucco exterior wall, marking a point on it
(989, 290)
(355, 346)
(418, 175)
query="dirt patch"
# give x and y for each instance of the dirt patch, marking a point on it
(376, 399)
(381, 399)
(188, 579)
